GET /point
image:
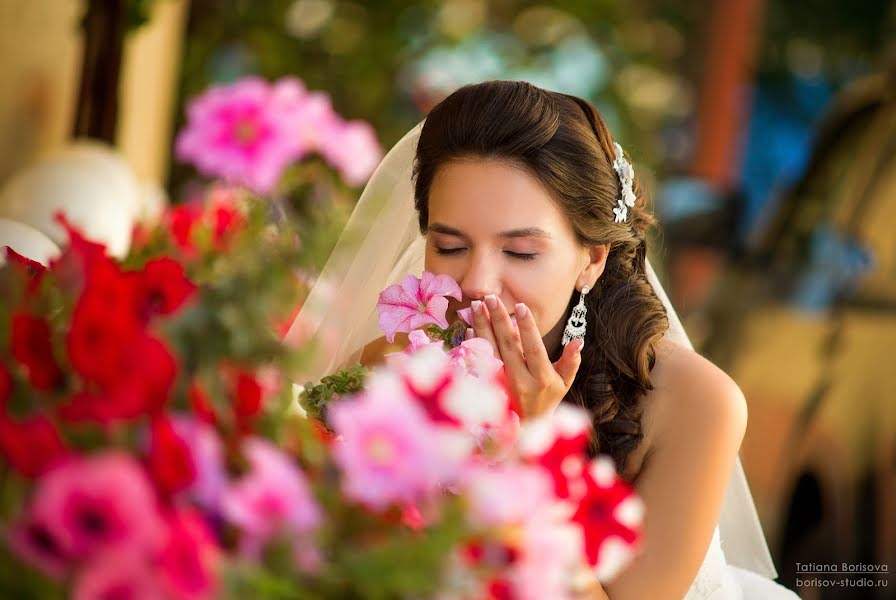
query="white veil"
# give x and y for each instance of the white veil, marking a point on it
(379, 246)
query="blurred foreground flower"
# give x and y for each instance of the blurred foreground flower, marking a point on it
(250, 131)
(151, 453)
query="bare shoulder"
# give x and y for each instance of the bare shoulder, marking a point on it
(375, 352)
(691, 396)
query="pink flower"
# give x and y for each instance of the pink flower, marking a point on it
(467, 315)
(34, 543)
(476, 357)
(95, 504)
(390, 452)
(317, 120)
(441, 384)
(506, 494)
(117, 575)
(187, 563)
(207, 457)
(418, 339)
(416, 303)
(352, 147)
(550, 554)
(246, 132)
(273, 497)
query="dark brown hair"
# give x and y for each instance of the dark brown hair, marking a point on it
(563, 141)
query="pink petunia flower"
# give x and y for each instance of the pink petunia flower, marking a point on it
(117, 575)
(476, 357)
(247, 132)
(505, 494)
(390, 452)
(100, 503)
(34, 543)
(416, 303)
(352, 147)
(189, 559)
(550, 555)
(273, 497)
(207, 456)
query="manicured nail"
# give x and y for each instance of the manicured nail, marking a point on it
(469, 335)
(521, 311)
(476, 306)
(491, 301)
(577, 345)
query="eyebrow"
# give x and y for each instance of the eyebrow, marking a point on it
(513, 233)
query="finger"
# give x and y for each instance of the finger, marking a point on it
(534, 352)
(482, 325)
(568, 364)
(469, 334)
(508, 340)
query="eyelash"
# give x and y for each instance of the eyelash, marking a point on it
(452, 251)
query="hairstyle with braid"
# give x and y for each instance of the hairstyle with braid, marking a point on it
(564, 143)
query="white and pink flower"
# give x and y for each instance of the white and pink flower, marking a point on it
(390, 452)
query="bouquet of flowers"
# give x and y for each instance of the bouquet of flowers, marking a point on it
(149, 449)
(150, 445)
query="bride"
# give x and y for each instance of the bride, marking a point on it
(521, 195)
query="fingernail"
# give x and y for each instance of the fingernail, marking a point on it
(577, 345)
(476, 306)
(521, 311)
(491, 301)
(469, 335)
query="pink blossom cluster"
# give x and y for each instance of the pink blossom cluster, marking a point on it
(248, 132)
(99, 520)
(437, 420)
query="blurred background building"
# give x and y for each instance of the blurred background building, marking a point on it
(766, 130)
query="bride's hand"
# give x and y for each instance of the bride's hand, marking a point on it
(537, 383)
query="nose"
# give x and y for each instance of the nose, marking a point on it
(481, 278)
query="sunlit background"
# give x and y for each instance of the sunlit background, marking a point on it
(765, 129)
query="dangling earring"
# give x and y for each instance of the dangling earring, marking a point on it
(575, 326)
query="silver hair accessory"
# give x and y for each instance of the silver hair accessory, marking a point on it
(575, 325)
(626, 175)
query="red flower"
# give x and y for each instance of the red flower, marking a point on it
(163, 287)
(141, 386)
(30, 446)
(32, 269)
(77, 261)
(170, 463)
(5, 385)
(200, 403)
(104, 324)
(431, 400)
(182, 220)
(609, 509)
(226, 219)
(321, 433)
(32, 347)
(188, 562)
(499, 589)
(247, 399)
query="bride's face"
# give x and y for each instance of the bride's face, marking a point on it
(495, 229)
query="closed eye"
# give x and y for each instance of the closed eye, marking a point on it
(453, 251)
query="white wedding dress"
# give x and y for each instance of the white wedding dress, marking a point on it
(380, 245)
